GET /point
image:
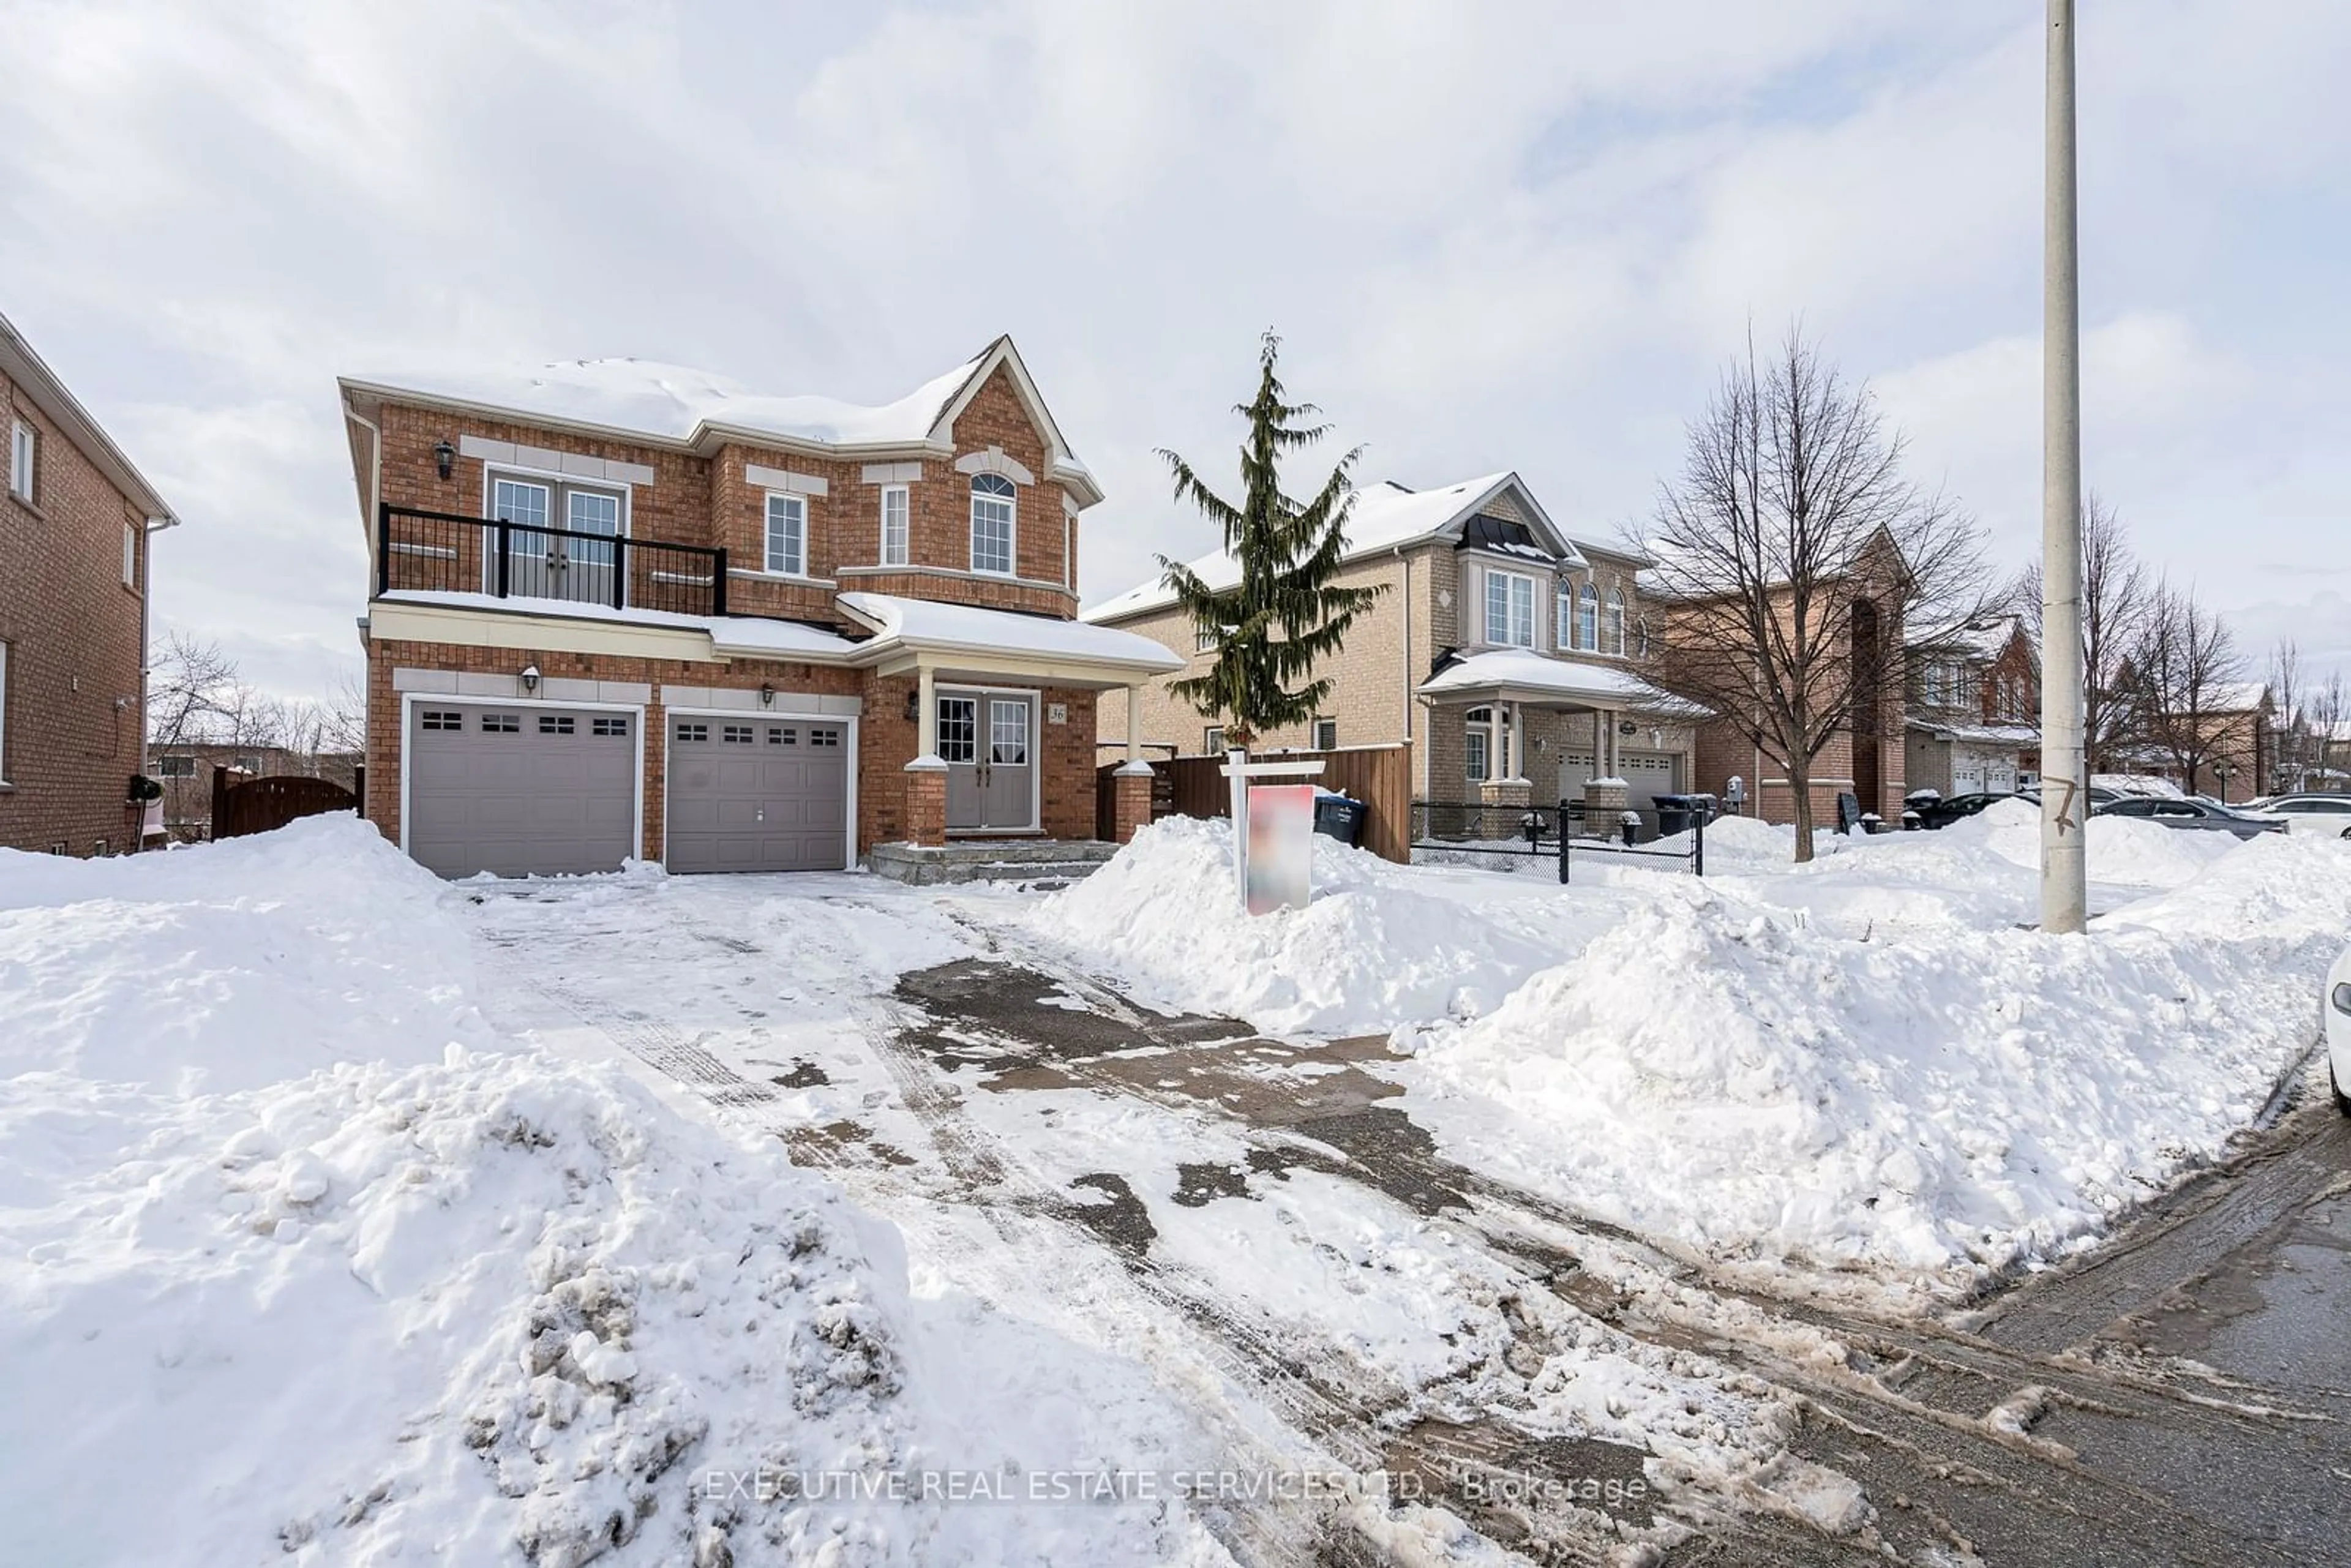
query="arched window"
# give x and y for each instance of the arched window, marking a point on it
(1615, 643)
(1587, 619)
(991, 523)
(1478, 744)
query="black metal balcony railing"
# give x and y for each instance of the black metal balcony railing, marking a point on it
(443, 552)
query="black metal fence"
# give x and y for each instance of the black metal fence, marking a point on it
(1470, 833)
(445, 552)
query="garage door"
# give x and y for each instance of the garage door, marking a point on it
(1650, 774)
(762, 794)
(520, 792)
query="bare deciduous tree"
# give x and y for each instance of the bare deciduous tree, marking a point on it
(2291, 726)
(2188, 655)
(2119, 596)
(1796, 559)
(195, 697)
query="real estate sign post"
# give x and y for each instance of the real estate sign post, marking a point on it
(1273, 833)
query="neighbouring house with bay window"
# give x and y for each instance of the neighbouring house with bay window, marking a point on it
(1501, 649)
(620, 610)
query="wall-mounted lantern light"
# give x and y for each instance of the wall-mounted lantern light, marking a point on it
(444, 457)
(766, 694)
(530, 677)
(915, 705)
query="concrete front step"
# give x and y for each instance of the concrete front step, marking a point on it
(990, 859)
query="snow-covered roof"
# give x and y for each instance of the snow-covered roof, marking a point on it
(688, 407)
(1523, 670)
(1982, 640)
(2234, 697)
(928, 624)
(1385, 516)
(747, 634)
(1980, 734)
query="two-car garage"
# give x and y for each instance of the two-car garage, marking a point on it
(520, 788)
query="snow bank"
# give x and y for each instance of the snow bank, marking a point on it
(294, 1267)
(1943, 1103)
(1373, 946)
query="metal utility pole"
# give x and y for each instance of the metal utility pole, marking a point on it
(2065, 761)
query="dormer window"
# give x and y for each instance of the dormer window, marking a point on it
(992, 517)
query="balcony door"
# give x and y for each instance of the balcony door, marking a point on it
(543, 561)
(988, 741)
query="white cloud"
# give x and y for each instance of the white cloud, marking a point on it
(1503, 233)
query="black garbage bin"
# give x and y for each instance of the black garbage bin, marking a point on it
(1677, 813)
(1338, 818)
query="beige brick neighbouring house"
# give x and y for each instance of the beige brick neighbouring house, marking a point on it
(621, 610)
(1500, 650)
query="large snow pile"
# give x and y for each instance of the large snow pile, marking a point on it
(1935, 1102)
(1376, 944)
(295, 1265)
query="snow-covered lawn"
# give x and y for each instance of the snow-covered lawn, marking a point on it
(1868, 1062)
(303, 1259)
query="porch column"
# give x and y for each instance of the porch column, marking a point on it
(926, 714)
(1131, 784)
(926, 776)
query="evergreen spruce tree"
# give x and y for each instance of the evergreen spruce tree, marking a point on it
(1286, 613)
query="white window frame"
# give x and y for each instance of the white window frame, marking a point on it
(1564, 634)
(1588, 617)
(899, 552)
(1611, 624)
(794, 518)
(1315, 731)
(1478, 745)
(1009, 496)
(1205, 637)
(1518, 609)
(24, 459)
(1212, 740)
(130, 555)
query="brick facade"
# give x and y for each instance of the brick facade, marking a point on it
(1390, 651)
(720, 499)
(75, 640)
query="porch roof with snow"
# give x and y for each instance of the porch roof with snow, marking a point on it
(1518, 675)
(965, 639)
(1386, 516)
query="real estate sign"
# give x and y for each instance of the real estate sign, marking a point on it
(1277, 848)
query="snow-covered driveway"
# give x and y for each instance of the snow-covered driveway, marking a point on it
(1163, 1243)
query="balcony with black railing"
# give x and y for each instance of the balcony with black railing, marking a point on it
(443, 552)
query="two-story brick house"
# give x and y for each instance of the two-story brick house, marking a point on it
(1500, 647)
(76, 522)
(1973, 722)
(620, 610)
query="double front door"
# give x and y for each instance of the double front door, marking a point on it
(555, 543)
(988, 741)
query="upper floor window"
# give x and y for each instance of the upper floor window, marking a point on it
(129, 555)
(788, 534)
(991, 523)
(1326, 735)
(1615, 622)
(23, 447)
(1509, 609)
(1587, 619)
(896, 514)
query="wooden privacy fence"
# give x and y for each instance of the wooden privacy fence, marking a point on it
(258, 805)
(1378, 776)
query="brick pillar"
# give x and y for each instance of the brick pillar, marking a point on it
(1517, 794)
(927, 803)
(1131, 800)
(1601, 805)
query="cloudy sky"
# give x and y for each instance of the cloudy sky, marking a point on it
(1493, 235)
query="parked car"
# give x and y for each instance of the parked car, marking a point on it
(1944, 809)
(2178, 811)
(2327, 816)
(2336, 1005)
